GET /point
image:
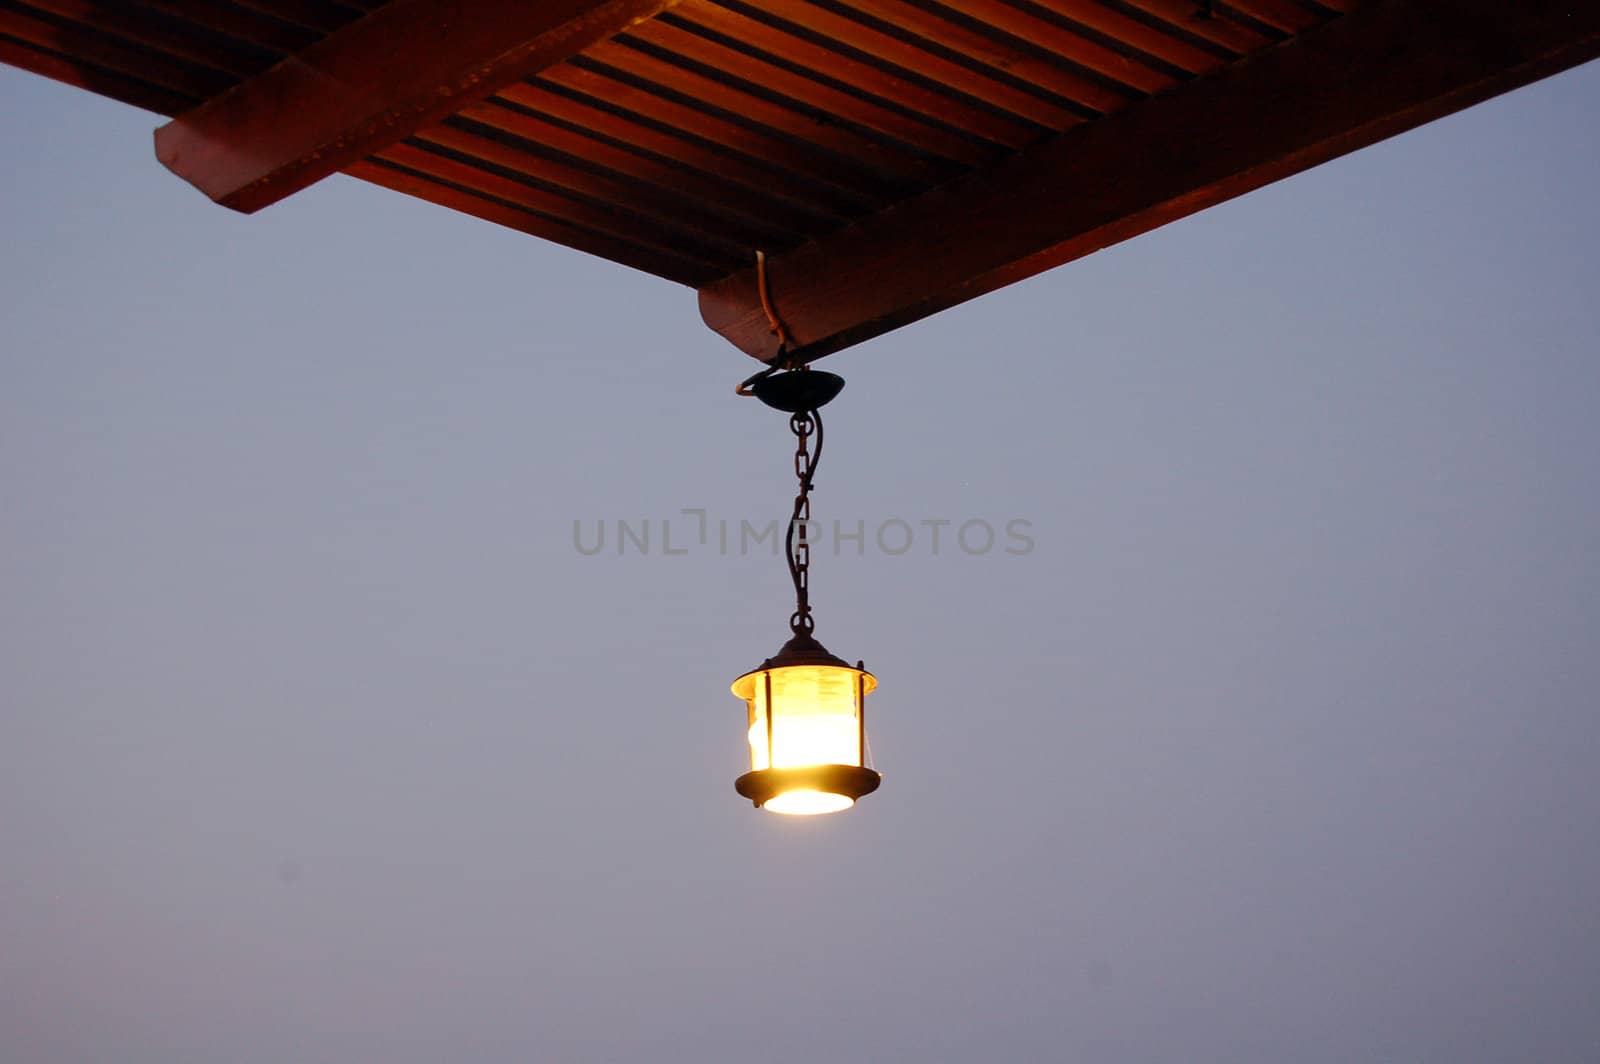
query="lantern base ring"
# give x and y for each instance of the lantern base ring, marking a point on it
(851, 781)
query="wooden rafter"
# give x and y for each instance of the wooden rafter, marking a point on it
(373, 83)
(1383, 69)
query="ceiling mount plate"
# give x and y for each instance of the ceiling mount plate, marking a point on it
(798, 390)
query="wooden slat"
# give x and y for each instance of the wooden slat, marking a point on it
(1187, 16)
(106, 53)
(239, 23)
(942, 103)
(405, 66)
(619, 251)
(1285, 15)
(1365, 76)
(897, 167)
(849, 32)
(127, 23)
(778, 182)
(83, 75)
(995, 54)
(777, 221)
(601, 219)
(600, 83)
(684, 223)
(316, 15)
(814, 94)
(1076, 49)
(1135, 34)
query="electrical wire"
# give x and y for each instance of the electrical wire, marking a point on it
(781, 331)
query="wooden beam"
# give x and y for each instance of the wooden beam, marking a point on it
(1383, 69)
(373, 83)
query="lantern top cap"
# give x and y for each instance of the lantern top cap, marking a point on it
(803, 649)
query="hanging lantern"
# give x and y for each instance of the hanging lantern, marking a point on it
(807, 731)
(805, 708)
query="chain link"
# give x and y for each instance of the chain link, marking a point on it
(798, 539)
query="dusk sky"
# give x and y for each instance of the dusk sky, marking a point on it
(322, 741)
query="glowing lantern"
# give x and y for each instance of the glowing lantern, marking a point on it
(807, 731)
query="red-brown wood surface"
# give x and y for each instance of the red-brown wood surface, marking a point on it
(407, 65)
(1164, 45)
(127, 22)
(1075, 48)
(935, 101)
(1011, 61)
(1185, 16)
(872, 116)
(320, 15)
(893, 167)
(97, 79)
(768, 220)
(238, 22)
(464, 189)
(1284, 15)
(95, 50)
(836, 178)
(637, 133)
(648, 212)
(1378, 71)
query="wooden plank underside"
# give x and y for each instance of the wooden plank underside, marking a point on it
(1376, 72)
(370, 85)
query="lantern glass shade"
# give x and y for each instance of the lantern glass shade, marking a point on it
(805, 734)
(814, 722)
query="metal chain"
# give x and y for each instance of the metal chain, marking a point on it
(797, 543)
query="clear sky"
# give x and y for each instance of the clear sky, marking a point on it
(321, 742)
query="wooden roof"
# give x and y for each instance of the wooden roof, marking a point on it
(891, 157)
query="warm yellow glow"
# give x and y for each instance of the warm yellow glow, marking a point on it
(798, 741)
(808, 803)
(814, 723)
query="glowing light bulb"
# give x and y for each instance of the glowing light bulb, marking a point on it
(808, 803)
